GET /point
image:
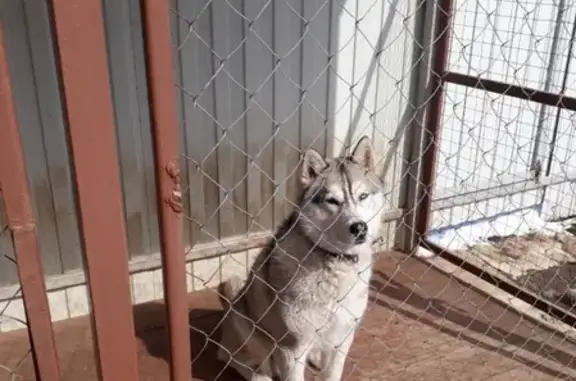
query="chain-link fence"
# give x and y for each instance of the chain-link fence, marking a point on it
(505, 169)
(29, 352)
(15, 350)
(327, 149)
(264, 89)
(263, 82)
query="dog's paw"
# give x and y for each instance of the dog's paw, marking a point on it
(314, 360)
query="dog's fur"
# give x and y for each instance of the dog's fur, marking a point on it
(308, 289)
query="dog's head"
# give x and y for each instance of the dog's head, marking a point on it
(342, 199)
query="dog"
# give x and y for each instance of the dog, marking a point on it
(308, 288)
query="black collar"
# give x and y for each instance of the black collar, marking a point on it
(352, 258)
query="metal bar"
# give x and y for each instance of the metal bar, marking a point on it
(527, 93)
(409, 197)
(433, 128)
(554, 138)
(16, 195)
(535, 160)
(81, 43)
(447, 202)
(161, 81)
(432, 132)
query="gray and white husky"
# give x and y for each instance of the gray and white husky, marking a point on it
(308, 289)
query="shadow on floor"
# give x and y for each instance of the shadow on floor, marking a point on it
(456, 311)
(461, 325)
(204, 334)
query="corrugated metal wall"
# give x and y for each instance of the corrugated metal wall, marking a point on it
(251, 95)
(39, 110)
(241, 88)
(43, 128)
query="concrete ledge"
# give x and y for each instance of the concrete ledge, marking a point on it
(68, 296)
(207, 266)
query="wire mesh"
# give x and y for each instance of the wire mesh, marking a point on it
(259, 84)
(15, 353)
(248, 99)
(262, 82)
(504, 187)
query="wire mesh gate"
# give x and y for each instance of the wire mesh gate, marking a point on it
(531, 183)
(92, 135)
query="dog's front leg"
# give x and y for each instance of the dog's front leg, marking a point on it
(334, 359)
(291, 363)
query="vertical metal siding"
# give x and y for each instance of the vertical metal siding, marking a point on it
(256, 85)
(260, 126)
(129, 92)
(198, 127)
(39, 108)
(288, 60)
(316, 47)
(229, 125)
(241, 100)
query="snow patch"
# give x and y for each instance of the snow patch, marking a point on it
(475, 232)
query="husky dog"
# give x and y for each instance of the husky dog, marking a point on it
(308, 289)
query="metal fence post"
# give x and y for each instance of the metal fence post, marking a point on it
(161, 84)
(441, 44)
(82, 51)
(21, 223)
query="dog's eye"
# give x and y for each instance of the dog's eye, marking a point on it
(363, 196)
(332, 201)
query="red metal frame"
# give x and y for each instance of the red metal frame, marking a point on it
(82, 51)
(160, 75)
(440, 76)
(16, 195)
(508, 89)
(434, 118)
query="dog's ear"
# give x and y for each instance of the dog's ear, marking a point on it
(363, 154)
(312, 164)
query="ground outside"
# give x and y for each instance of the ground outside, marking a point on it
(421, 325)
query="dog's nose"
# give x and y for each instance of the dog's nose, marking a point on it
(359, 230)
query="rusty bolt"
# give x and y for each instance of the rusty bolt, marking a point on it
(175, 200)
(173, 170)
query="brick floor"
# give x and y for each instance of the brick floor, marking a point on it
(421, 325)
